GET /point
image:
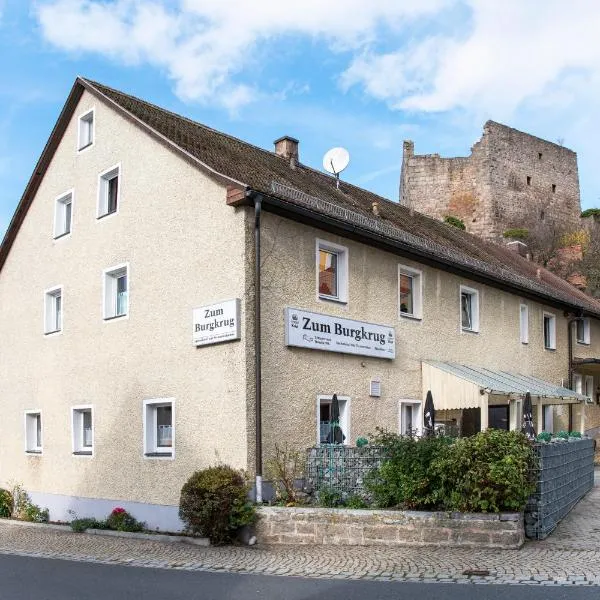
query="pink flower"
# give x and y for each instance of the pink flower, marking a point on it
(118, 510)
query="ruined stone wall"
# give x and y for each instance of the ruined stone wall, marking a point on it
(511, 179)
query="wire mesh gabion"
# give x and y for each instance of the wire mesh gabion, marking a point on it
(564, 474)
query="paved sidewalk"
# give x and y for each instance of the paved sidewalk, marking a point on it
(570, 557)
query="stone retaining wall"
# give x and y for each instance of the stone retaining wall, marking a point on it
(327, 526)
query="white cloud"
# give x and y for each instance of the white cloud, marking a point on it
(205, 45)
(514, 51)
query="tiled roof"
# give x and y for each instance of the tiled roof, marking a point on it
(272, 175)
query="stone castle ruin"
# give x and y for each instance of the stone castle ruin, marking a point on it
(513, 188)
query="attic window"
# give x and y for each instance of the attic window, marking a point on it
(86, 130)
(554, 188)
(528, 179)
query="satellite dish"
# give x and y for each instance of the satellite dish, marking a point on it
(336, 160)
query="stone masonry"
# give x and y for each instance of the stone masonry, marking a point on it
(510, 180)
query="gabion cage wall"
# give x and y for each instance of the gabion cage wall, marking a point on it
(341, 468)
(564, 475)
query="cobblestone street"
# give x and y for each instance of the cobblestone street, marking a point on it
(571, 556)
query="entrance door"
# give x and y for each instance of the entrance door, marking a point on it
(498, 417)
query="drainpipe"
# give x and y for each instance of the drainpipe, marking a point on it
(257, 349)
(571, 370)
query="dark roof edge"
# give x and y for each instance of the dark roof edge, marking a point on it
(319, 220)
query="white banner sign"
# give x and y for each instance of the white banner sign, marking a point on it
(216, 323)
(334, 334)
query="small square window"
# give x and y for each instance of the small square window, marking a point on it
(524, 323)
(549, 331)
(116, 292)
(83, 430)
(86, 130)
(33, 432)
(332, 271)
(332, 428)
(159, 430)
(469, 309)
(410, 292)
(63, 213)
(109, 192)
(53, 313)
(583, 331)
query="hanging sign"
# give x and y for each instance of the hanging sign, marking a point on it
(306, 329)
(216, 323)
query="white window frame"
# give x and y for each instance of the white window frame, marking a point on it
(30, 428)
(83, 117)
(103, 178)
(578, 383)
(552, 318)
(77, 430)
(417, 277)
(151, 448)
(548, 418)
(585, 341)
(417, 409)
(109, 292)
(342, 270)
(475, 310)
(59, 214)
(589, 386)
(524, 323)
(344, 417)
(50, 296)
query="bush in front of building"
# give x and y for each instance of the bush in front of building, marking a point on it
(491, 471)
(6, 503)
(214, 503)
(24, 509)
(405, 479)
(120, 520)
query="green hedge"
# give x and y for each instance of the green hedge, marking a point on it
(590, 212)
(489, 472)
(455, 222)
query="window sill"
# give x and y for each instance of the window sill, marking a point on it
(332, 299)
(158, 454)
(115, 317)
(62, 235)
(82, 453)
(410, 317)
(33, 452)
(465, 330)
(581, 343)
(53, 332)
(108, 214)
(84, 147)
(550, 349)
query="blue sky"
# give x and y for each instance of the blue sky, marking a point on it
(364, 75)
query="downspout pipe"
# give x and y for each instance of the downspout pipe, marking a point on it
(257, 349)
(571, 369)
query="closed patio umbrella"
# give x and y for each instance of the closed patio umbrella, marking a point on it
(527, 428)
(429, 415)
(336, 436)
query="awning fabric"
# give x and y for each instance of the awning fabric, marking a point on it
(456, 386)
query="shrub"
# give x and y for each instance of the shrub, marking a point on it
(580, 237)
(590, 212)
(355, 501)
(361, 442)
(120, 520)
(80, 525)
(405, 478)
(516, 234)
(284, 469)
(329, 497)
(575, 434)
(6, 503)
(24, 509)
(543, 436)
(488, 472)
(455, 222)
(214, 503)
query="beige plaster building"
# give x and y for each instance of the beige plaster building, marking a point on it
(136, 349)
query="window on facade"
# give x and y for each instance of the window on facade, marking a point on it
(108, 193)
(548, 418)
(116, 292)
(410, 417)
(583, 331)
(332, 271)
(410, 292)
(549, 331)
(578, 383)
(158, 428)
(469, 309)
(524, 323)
(63, 212)
(528, 179)
(33, 432)
(589, 386)
(539, 156)
(554, 188)
(53, 310)
(330, 430)
(83, 432)
(86, 130)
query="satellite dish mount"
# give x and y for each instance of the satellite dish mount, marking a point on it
(335, 161)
